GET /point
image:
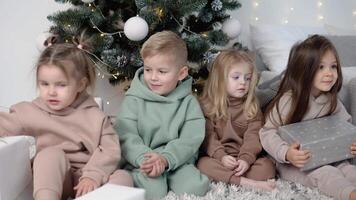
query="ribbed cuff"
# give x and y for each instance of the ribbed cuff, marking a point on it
(219, 154)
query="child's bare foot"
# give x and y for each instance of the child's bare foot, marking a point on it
(353, 195)
(263, 185)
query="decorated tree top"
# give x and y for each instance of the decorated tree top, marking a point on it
(118, 28)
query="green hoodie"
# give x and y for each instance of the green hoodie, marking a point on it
(172, 125)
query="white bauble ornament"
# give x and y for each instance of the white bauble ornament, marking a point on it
(231, 28)
(136, 28)
(88, 1)
(41, 40)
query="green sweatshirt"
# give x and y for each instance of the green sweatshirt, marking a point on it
(172, 125)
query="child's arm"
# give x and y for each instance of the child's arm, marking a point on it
(212, 145)
(270, 139)
(192, 132)
(10, 123)
(251, 145)
(105, 157)
(132, 146)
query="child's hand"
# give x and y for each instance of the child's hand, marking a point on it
(353, 148)
(154, 165)
(229, 162)
(297, 157)
(84, 186)
(242, 167)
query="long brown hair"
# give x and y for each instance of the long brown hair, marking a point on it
(215, 98)
(303, 63)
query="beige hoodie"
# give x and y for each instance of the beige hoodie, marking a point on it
(82, 131)
(317, 107)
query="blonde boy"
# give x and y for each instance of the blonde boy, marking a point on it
(160, 124)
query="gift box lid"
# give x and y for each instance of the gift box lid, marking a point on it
(325, 128)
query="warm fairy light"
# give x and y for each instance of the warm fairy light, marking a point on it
(256, 19)
(285, 21)
(320, 3)
(102, 34)
(102, 76)
(68, 25)
(99, 74)
(90, 5)
(107, 102)
(159, 12)
(256, 4)
(205, 34)
(320, 17)
(291, 9)
(354, 13)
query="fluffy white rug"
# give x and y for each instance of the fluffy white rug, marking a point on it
(284, 191)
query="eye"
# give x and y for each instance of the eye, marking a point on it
(163, 72)
(147, 69)
(321, 67)
(43, 83)
(334, 66)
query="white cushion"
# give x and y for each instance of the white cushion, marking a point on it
(273, 42)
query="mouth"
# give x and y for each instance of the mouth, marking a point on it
(154, 86)
(327, 82)
(53, 102)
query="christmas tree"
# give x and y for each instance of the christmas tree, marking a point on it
(118, 28)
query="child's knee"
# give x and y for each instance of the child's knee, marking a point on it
(121, 177)
(197, 185)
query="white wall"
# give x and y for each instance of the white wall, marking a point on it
(339, 13)
(22, 21)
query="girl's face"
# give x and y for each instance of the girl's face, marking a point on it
(56, 90)
(238, 80)
(326, 76)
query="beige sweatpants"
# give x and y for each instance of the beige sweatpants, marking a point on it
(261, 170)
(337, 180)
(54, 178)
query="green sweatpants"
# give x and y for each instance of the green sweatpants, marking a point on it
(185, 179)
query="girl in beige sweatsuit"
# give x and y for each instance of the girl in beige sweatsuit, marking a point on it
(308, 91)
(77, 148)
(230, 152)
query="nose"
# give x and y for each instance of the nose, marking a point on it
(154, 76)
(52, 91)
(328, 71)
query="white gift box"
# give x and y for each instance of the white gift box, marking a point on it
(114, 192)
(15, 167)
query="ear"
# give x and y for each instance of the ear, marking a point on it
(183, 72)
(82, 84)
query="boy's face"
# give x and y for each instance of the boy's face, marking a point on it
(162, 73)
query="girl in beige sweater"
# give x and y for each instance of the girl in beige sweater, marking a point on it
(77, 148)
(231, 149)
(308, 91)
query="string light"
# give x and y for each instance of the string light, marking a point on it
(256, 19)
(256, 4)
(291, 9)
(107, 102)
(354, 13)
(320, 3)
(285, 21)
(320, 17)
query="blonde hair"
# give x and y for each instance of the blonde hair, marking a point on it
(71, 59)
(215, 98)
(166, 42)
